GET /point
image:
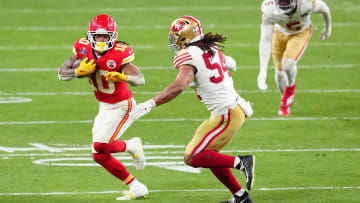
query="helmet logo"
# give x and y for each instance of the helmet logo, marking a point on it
(111, 64)
(178, 26)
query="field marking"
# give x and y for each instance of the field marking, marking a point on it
(185, 190)
(9, 100)
(347, 7)
(183, 120)
(136, 47)
(184, 92)
(318, 66)
(131, 9)
(182, 152)
(159, 27)
(58, 148)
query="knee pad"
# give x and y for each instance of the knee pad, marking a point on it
(288, 64)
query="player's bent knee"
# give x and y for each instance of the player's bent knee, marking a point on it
(100, 147)
(188, 159)
(288, 64)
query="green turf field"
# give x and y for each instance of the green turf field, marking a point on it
(45, 137)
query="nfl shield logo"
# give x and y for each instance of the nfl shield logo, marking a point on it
(111, 64)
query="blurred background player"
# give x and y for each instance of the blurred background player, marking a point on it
(107, 64)
(202, 66)
(287, 42)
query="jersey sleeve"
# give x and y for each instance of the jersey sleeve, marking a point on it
(266, 8)
(316, 5)
(128, 56)
(183, 57)
(80, 47)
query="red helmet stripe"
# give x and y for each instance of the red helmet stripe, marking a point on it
(196, 21)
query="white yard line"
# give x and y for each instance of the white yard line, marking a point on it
(165, 46)
(5, 94)
(184, 190)
(11, 149)
(156, 27)
(183, 119)
(346, 7)
(317, 66)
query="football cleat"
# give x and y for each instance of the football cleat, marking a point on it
(245, 198)
(138, 191)
(247, 168)
(284, 111)
(138, 153)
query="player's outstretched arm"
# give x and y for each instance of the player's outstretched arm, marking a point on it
(264, 52)
(183, 79)
(324, 11)
(66, 71)
(130, 74)
(230, 63)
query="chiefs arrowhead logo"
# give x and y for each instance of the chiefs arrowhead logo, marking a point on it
(178, 26)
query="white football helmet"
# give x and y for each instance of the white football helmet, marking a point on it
(286, 6)
(183, 30)
(102, 24)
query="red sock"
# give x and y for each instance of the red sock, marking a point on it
(105, 148)
(115, 167)
(288, 97)
(212, 159)
(227, 178)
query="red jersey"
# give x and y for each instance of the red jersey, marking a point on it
(112, 60)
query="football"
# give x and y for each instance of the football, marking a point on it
(76, 64)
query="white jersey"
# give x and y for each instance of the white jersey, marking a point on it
(212, 83)
(297, 22)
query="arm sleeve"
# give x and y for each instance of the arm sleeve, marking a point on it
(230, 63)
(265, 43)
(319, 6)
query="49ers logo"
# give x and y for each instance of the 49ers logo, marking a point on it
(178, 26)
(111, 64)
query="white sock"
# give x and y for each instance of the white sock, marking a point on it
(240, 193)
(281, 81)
(134, 183)
(130, 146)
(236, 162)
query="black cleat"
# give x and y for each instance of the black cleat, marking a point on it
(247, 167)
(245, 198)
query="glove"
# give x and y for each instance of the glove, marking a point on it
(261, 81)
(230, 63)
(143, 108)
(115, 76)
(85, 68)
(325, 34)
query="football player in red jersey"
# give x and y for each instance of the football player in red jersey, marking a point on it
(107, 64)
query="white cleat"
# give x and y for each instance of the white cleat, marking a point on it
(138, 153)
(138, 191)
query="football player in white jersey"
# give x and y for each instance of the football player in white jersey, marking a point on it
(202, 66)
(285, 31)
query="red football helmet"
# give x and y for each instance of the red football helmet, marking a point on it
(102, 24)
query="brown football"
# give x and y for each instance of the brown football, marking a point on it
(76, 64)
